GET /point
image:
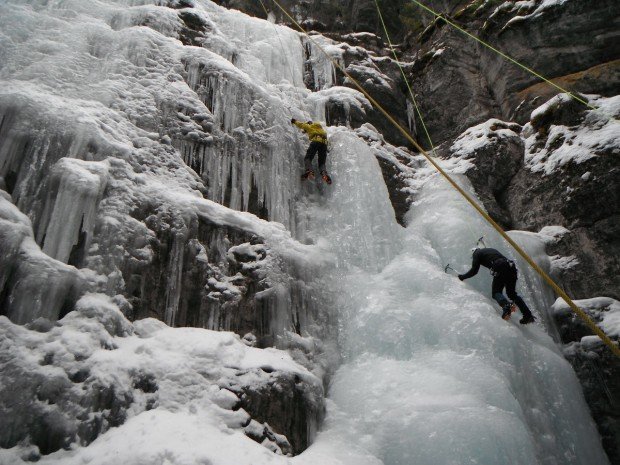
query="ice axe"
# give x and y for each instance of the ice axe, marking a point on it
(448, 267)
(481, 240)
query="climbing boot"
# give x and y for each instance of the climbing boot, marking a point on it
(326, 177)
(527, 319)
(309, 174)
(507, 311)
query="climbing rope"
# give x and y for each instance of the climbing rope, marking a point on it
(613, 347)
(507, 57)
(402, 71)
(409, 88)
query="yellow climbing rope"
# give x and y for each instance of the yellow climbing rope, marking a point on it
(613, 347)
(409, 88)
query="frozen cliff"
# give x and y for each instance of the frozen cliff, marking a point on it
(171, 292)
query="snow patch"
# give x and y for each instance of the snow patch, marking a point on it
(605, 312)
(598, 134)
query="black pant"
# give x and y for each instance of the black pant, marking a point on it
(506, 276)
(312, 150)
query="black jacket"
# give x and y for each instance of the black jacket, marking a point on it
(485, 257)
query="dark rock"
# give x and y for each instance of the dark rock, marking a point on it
(331, 15)
(195, 28)
(589, 209)
(598, 370)
(80, 375)
(468, 83)
(496, 162)
(400, 199)
(287, 404)
(145, 382)
(50, 414)
(264, 434)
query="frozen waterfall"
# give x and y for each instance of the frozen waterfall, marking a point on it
(431, 373)
(133, 156)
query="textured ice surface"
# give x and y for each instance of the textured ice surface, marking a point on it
(103, 95)
(432, 374)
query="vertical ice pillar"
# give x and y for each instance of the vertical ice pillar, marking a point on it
(319, 64)
(411, 113)
(69, 215)
(175, 273)
(32, 285)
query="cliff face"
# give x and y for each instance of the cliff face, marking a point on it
(568, 42)
(557, 166)
(181, 201)
(466, 84)
(339, 16)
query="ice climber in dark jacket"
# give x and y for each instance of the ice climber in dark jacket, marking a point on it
(504, 274)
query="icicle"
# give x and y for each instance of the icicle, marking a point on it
(175, 274)
(69, 215)
(322, 67)
(411, 114)
(32, 284)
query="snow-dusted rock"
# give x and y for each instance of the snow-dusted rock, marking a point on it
(66, 384)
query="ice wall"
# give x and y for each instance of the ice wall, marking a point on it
(69, 215)
(33, 284)
(432, 374)
(163, 137)
(113, 111)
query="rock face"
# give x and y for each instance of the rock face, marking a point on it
(597, 368)
(461, 83)
(581, 196)
(495, 149)
(329, 15)
(165, 204)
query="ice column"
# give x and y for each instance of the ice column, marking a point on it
(434, 375)
(321, 65)
(69, 216)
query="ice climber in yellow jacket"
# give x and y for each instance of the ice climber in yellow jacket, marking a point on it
(318, 143)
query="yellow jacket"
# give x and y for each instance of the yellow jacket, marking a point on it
(315, 131)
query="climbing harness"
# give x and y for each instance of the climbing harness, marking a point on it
(613, 347)
(496, 264)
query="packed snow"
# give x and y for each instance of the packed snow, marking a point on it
(605, 311)
(122, 117)
(525, 9)
(178, 388)
(598, 134)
